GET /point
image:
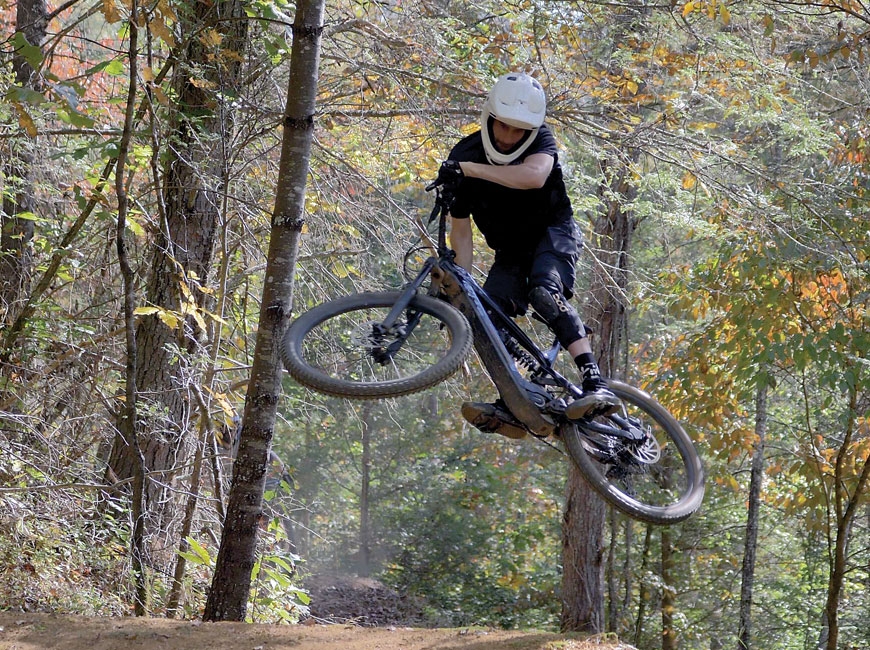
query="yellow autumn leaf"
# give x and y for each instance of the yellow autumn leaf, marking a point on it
(25, 121)
(688, 8)
(161, 96)
(169, 319)
(340, 270)
(214, 317)
(689, 181)
(185, 290)
(199, 320)
(166, 9)
(725, 14)
(211, 38)
(203, 84)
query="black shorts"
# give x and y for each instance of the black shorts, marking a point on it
(550, 264)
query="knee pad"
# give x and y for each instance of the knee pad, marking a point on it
(558, 313)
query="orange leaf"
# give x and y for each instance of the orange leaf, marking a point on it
(110, 11)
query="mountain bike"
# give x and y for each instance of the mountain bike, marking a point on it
(386, 344)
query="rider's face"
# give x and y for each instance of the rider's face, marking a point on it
(506, 136)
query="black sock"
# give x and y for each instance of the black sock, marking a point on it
(589, 371)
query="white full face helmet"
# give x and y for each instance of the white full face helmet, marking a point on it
(517, 100)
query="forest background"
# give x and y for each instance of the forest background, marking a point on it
(729, 139)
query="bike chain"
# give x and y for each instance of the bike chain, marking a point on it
(544, 441)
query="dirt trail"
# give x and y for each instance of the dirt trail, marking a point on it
(51, 631)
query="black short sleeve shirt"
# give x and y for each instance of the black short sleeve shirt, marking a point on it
(511, 219)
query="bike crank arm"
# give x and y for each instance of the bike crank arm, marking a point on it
(625, 431)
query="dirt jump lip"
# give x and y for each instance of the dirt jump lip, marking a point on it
(38, 631)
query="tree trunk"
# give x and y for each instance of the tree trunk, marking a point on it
(182, 252)
(231, 582)
(365, 541)
(744, 639)
(612, 574)
(206, 433)
(583, 528)
(644, 591)
(669, 634)
(582, 558)
(129, 412)
(16, 259)
(846, 508)
(620, 580)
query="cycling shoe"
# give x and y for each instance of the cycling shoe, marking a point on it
(592, 403)
(493, 418)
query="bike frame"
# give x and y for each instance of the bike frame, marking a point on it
(518, 394)
(454, 284)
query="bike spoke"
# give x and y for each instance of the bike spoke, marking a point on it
(650, 470)
(639, 459)
(352, 347)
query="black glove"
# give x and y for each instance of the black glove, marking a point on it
(450, 173)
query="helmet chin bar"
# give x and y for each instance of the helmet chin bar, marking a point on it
(496, 156)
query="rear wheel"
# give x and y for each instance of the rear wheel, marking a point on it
(341, 348)
(657, 477)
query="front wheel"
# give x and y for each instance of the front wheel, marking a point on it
(341, 347)
(640, 459)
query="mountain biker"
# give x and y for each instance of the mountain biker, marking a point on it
(507, 178)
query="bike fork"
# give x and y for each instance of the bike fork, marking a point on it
(408, 293)
(389, 323)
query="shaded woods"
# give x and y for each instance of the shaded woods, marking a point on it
(716, 155)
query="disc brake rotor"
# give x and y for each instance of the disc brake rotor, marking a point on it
(648, 452)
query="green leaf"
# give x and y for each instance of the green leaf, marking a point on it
(31, 53)
(200, 551)
(114, 67)
(25, 95)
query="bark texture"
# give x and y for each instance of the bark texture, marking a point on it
(194, 176)
(231, 583)
(750, 544)
(16, 258)
(585, 513)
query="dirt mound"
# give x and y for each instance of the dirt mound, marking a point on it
(57, 632)
(361, 601)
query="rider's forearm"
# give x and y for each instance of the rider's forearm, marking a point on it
(531, 174)
(464, 249)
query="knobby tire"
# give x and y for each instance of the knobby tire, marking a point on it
(326, 348)
(684, 498)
